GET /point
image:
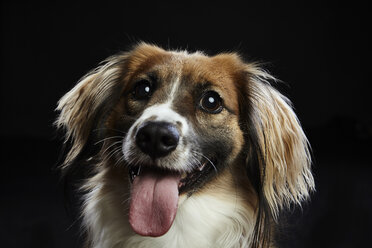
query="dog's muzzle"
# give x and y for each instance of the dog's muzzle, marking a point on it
(155, 188)
(157, 139)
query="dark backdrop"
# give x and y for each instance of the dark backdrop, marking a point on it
(321, 51)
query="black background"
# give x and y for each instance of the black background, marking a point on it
(321, 51)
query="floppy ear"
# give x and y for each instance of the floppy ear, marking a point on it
(84, 108)
(284, 158)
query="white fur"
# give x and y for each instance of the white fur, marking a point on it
(181, 159)
(213, 218)
(162, 112)
(173, 92)
(202, 220)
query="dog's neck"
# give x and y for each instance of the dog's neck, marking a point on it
(218, 217)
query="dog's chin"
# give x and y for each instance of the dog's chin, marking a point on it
(155, 194)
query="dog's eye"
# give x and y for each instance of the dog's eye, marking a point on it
(211, 102)
(143, 90)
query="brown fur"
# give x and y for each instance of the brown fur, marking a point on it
(256, 121)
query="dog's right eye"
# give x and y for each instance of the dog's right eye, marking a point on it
(143, 90)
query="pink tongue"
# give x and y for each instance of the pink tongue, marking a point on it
(154, 200)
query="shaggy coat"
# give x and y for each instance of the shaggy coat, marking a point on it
(183, 150)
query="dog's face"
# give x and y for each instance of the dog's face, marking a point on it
(174, 122)
(185, 119)
(180, 113)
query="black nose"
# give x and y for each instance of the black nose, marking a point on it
(157, 139)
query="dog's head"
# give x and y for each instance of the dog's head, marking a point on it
(177, 123)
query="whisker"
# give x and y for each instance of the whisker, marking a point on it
(206, 159)
(113, 152)
(103, 140)
(121, 157)
(194, 160)
(113, 144)
(126, 198)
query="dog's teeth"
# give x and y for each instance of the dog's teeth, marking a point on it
(134, 172)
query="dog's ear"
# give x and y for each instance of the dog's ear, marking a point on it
(283, 149)
(278, 156)
(83, 108)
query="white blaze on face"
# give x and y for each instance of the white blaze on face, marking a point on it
(162, 113)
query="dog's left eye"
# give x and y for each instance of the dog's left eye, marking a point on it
(211, 102)
(143, 90)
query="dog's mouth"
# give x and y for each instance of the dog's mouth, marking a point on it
(188, 181)
(155, 193)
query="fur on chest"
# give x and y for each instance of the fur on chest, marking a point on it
(183, 150)
(203, 220)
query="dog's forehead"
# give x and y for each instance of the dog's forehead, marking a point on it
(182, 72)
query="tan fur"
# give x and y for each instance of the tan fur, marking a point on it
(287, 177)
(77, 107)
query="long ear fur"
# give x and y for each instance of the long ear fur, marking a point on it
(285, 161)
(279, 161)
(83, 108)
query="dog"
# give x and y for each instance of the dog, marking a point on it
(183, 150)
